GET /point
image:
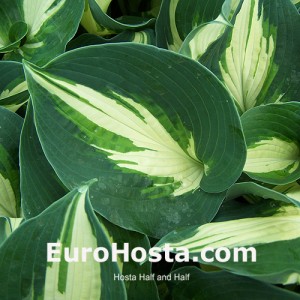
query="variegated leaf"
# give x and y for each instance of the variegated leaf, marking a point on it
(251, 200)
(177, 18)
(96, 20)
(202, 37)
(296, 3)
(273, 142)
(146, 36)
(10, 128)
(12, 39)
(291, 190)
(251, 57)
(37, 32)
(71, 223)
(7, 226)
(13, 86)
(155, 139)
(221, 285)
(289, 193)
(272, 241)
(285, 193)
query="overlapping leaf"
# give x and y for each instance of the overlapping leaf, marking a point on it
(137, 286)
(10, 128)
(222, 286)
(37, 32)
(154, 140)
(163, 137)
(96, 19)
(291, 190)
(273, 233)
(13, 86)
(72, 223)
(296, 3)
(140, 7)
(7, 226)
(273, 142)
(40, 186)
(146, 36)
(203, 36)
(177, 18)
(256, 57)
(289, 193)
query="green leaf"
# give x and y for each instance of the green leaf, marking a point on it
(155, 128)
(12, 30)
(275, 239)
(16, 33)
(296, 3)
(146, 36)
(222, 286)
(72, 223)
(292, 191)
(37, 33)
(96, 20)
(138, 285)
(259, 201)
(10, 128)
(13, 86)
(250, 206)
(177, 18)
(256, 58)
(286, 193)
(273, 142)
(137, 7)
(202, 37)
(40, 186)
(7, 226)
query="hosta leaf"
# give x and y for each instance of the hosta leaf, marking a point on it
(273, 142)
(275, 238)
(289, 193)
(8, 22)
(138, 7)
(37, 32)
(146, 36)
(10, 128)
(260, 201)
(71, 222)
(40, 185)
(16, 33)
(13, 86)
(251, 205)
(96, 19)
(202, 285)
(203, 36)
(177, 18)
(153, 8)
(7, 226)
(155, 128)
(291, 190)
(138, 285)
(296, 3)
(256, 58)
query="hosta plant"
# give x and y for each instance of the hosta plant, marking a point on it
(149, 126)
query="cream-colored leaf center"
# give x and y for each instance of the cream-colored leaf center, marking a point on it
(248, 57)
(272, 155)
